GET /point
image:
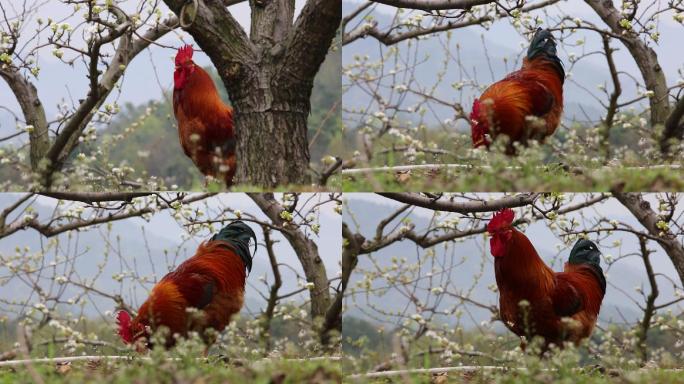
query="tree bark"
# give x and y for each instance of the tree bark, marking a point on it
(34, 113)
(269, 77)
(674, 126)
(271, 126)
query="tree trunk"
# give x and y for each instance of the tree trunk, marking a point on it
(641, 209)
(272, 144)
(34, 113)
(306, 251)
(644, 57)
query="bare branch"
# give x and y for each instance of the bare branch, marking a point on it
(434, 5)
(389, 38)
(48, 230)
(441, 204)
(127, 49)
(95, 197)
(644, 56)
(641, 209)
(33, 110)
(614, 96)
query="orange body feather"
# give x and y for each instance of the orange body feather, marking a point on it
(527, 104)
(185, 288)
(205, 123)
(204, 292)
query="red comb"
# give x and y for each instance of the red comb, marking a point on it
(501, 219)
(184, 54)
(478, 127)
(123, 320)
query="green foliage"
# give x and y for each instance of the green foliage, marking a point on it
(182, 370)
(146, 139)
(358, 334)
(545, 178)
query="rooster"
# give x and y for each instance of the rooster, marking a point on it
(528, 103)
(205, 123)
(536, 301)
(203, 293)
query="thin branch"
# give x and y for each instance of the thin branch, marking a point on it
(441, 204)
(95, 197)
(434, 5)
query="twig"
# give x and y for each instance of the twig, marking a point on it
(330, 171)
(401, 168)
(95, 197)
(443, 204)
(435, 370)
(470, 368)
(69, 359)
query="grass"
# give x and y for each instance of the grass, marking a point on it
(569, 377)
(315, 372)
(237, 357)
(473, 356)
(543, 178)
(185, 370)
(573, 161)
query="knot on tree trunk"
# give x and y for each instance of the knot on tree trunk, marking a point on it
(233, 72)
(188, 13)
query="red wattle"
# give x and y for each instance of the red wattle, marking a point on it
(497, 245)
